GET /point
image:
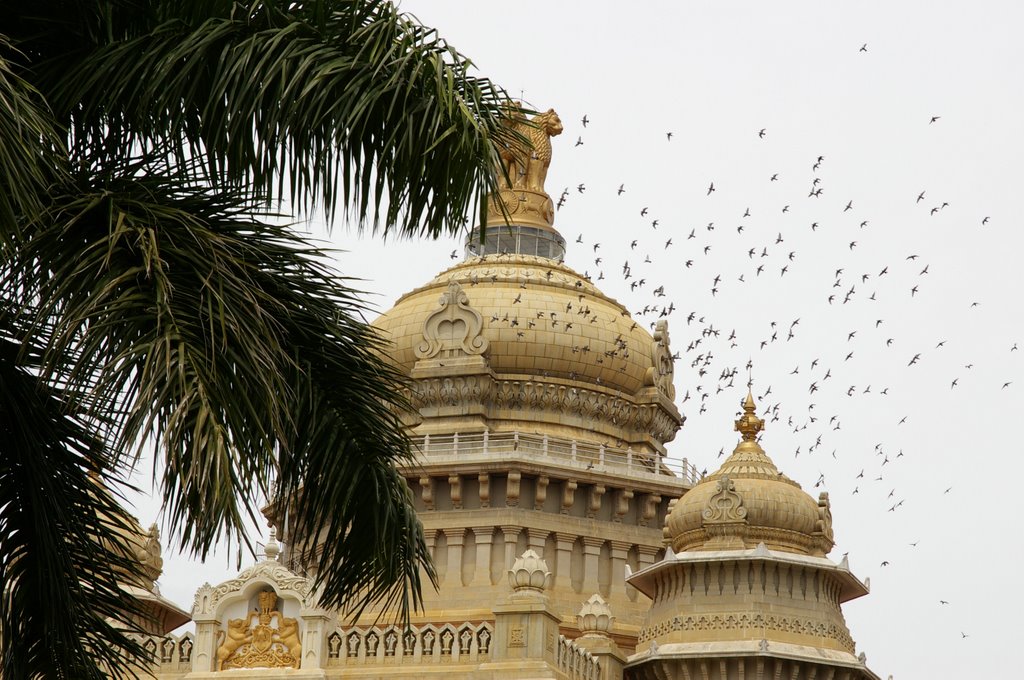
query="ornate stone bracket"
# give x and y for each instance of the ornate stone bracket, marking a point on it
(662, 372)
(824, 524)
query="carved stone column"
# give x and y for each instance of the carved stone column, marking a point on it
(456, 538)
(314, 639)
(537, 539)
(646, 555)
(617, 587)
(511, 534)
(591, 556)
(563, 560)
(430, 538)
(483, 537)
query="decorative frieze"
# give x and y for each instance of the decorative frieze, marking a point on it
(743, 621)
(539, 397)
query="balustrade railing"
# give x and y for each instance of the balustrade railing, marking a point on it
(586, 455)
(449, 643)
(576, 662)
(170, 654)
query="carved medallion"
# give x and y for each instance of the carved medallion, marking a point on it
(725, 505)
(453, 329)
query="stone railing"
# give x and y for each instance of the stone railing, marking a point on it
(170, 654)
(585, 455)
(447, 643)
(576, 662)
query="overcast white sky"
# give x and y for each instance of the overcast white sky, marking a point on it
(715, 74)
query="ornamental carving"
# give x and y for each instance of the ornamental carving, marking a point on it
(649, 419)
(149, 554)
(662, 372)
(825, 517)
(271, 641)
(453, 329)
(785, 624)
(207, 597)
(725, 505)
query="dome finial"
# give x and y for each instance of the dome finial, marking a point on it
(273, 549)
(749, 424)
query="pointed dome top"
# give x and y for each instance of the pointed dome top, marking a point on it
(748, 459)
(749, 424)
(748, 501)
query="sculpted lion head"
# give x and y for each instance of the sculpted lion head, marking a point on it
(549, 122)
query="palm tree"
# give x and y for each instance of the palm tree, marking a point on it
(147, 295)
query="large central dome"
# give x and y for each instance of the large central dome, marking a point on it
(555, 348)
(540, 318)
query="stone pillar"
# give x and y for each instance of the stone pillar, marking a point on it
(430, 538)
(591, 555)
(511, 535)
(483, 537)
(646, 556)
(563, 564)
(617, 586)
(204, 654)
(537, 539)
(595, 622)
(314, 638)
(525, 627)
(456, 537)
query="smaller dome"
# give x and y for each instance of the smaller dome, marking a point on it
(748, 501)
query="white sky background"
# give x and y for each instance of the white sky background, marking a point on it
(715, 74)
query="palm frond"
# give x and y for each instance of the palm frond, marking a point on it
(32, 153)
(230, 342)
(62, 534)
(346, 104)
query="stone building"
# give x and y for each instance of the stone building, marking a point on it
(566, 543)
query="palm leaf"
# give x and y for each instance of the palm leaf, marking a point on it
(336, 104)
(230, 342)
(61, 534)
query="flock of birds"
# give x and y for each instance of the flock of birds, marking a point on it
(712, 350)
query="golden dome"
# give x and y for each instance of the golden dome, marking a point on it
(549, 343)
(748, 501)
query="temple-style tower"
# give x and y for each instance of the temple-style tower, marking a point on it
(542, 411)
(746, 590)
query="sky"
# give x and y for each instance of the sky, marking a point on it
(880, 317)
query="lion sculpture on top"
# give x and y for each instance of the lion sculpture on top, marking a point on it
(527, 168)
